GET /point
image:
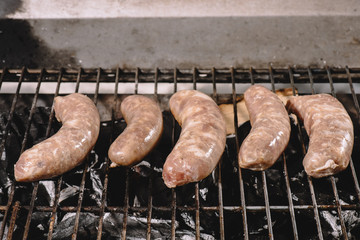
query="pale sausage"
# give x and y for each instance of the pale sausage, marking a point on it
(68, 147)
(330, 131)
(144, 128)
(201, 142)
(270, 129)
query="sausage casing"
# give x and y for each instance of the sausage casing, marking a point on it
(270, 129)
(330, 130)
(68, 147)
(201, 142)
(144, 128)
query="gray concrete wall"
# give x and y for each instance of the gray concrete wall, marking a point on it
(137, 34)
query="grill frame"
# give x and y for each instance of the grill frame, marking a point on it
(231, 76)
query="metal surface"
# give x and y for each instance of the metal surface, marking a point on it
(312, 79)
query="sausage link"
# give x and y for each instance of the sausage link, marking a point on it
(270, 132)
(68, 147)
(201, 142)
(330, 131)
(144, 128)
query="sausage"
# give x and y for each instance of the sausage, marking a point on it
(68, 147)
(270, 132)
(144, 128)
(330, 130)
(201, 142)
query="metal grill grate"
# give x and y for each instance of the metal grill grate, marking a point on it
(236, 207)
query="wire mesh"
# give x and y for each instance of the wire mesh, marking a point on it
(18, 214)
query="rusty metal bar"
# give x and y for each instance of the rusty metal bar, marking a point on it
(126, 206)
(195, 76)
(59, 182)
(332, 178)
(107, 162)
(15, 210)
(150, 198)
(54, 208)
(263, 175)
(2, 147)
(197, 201)
(137, 73)
(353, 172)
(149, 209)
(271, 75)
(221, 204)
(197, 211)
(311, 186)
(173, 190)
(78, 78)
(126, 197)
(220, 193)
(288, 188)
(213, 78)
(251, 73)
(23, 146)
(82, 184)
(242, 191)
(283, 208)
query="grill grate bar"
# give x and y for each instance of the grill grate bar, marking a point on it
(36, 185)
(137, 73)
(353, 172)
(59, 182)
(107, 161)
(149, 209)
(213, 78)
(78, 78)
(263, 175)
(126, 208)
(2, 147)
(173, 191)
(14, 214)
(287, 181)
(93, 209)
(197, 202)
(221, 204)
(311, 186)
(150, 186)
(333, 183)
(80, 199)
(197, 211)
(195, 75)
(220, 195)
(83, 178)
(242, 191)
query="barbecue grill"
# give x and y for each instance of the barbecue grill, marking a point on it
(95, 202)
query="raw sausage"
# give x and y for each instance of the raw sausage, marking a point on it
(330, 131)
(68, 147)
(201, 142)
(144, 129)
(270, 129)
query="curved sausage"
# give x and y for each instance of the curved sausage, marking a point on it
(330, 131)
(68, 147)
(144, 128)
(270, 132)
(202, 139)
